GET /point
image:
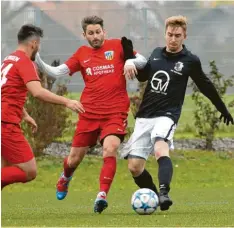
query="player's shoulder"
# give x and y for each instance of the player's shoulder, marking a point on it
(15, 56)
(113, 42)
(82, 51)
(18, 58)
(157, 51)
(192, 57)
(83, 48)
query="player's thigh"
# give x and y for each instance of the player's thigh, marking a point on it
(114, 124)
(86, 133)
(139, 144)
(4, 163)
(15, 149)
(113, 130)
(162, 135)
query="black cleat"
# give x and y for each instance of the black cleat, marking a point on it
(100, 206)
(164, 201)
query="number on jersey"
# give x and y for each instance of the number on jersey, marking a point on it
(4, 72)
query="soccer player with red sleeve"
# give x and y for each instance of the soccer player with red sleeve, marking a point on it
(105, 99)
(18, 76)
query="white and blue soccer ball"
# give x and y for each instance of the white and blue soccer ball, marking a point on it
(144, 201)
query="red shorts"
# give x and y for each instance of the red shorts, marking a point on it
(89, 130)
(15, 148)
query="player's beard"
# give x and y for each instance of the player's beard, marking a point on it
(97, 43)
(33, 56)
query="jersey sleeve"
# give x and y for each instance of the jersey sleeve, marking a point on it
(73, 63)
(206, 86)
(27, 71)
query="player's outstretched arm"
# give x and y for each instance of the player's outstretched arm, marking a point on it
(138, 60)
(208, 89)
(133, 61)
(51, 71)
(39, 92)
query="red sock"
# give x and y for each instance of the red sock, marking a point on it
(107, 173)
(67, 170)
(12, 174)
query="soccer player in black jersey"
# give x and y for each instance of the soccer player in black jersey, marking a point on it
(167, 72)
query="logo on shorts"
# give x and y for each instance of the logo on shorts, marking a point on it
(109, 55)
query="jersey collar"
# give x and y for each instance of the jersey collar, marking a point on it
(184, 51)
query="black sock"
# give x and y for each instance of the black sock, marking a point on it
(165, 171)
(144, 180)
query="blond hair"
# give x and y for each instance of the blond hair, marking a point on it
(176, 21)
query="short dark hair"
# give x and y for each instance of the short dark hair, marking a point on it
(91, 20)
(27, 31)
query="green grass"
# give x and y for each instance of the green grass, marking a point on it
(202, 190)
(185, 128)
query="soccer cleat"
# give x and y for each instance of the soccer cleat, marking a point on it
(164, 201)
(62, 187)
(100, 203)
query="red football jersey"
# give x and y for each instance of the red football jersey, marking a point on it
(16, 70)
(102, 70)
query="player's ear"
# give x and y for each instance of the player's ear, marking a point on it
(104, 32)
(33, 44)
(84, 35)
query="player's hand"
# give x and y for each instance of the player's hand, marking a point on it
(75, 106)
(127, 48)
(227, 118)
(31, 122)
(130, 70)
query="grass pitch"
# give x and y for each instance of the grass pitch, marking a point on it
(202, 191)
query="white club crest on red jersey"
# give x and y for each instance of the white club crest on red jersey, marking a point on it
(109, 55)
(89, 71)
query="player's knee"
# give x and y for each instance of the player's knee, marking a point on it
(161, 153)
(161, 149)
(110, 149)
(135, 169)
(31, 174)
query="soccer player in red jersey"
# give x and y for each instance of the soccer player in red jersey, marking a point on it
(105, 99)
(18, 76)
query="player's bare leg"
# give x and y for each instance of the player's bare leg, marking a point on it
(14, 173)
(165, 172)
(70, 164)
(4, 163)
(110, 146)
(141, 176)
